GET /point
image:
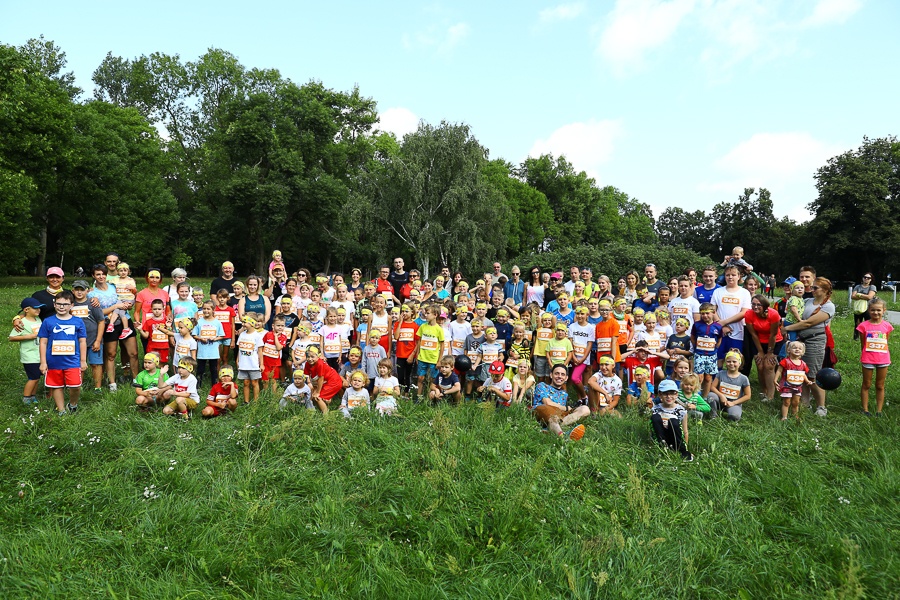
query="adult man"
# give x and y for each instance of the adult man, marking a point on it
(807, 276)
(225, 281)
(447, 278)
(398, 277)
(515, 287)
(497, 273)
(574, 276)
(653, 284)
(383, 285)
(704, 292)
(590, 288)
(551, 408)
(729, 301)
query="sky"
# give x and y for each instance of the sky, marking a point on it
(676, 103)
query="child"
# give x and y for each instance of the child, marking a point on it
(504, 328)
(148, 381)
(706, 337)
(181, 389)
(543, 336)
(731, 387)
(650, 335)
(29, 347)
(489, 352)
(273, 343)
(582, 335)
(198, 298)
(354, 363)
(460, 329)
(250, 355)
(560, 350)
(405, 336)
(496, 385)
(209, 334)
(641, 356)
(678, 345)
(380, 320)
(607, 388)
(223, 394)
(793, 312)
(297, 392)
(472, 346)
(874, 335)
(736, 259)
(184, 343)
(680, 369)
(183, 306)
(429, 338)
(63, 352)
(689, 397)
(95, 325)
(356, 396)
(225, 315)
(670, 421)
(637, 327)
(523, 384)
(519, 343)
(332, 339)
(791, 374)
(153, 329)
(386, 388)
(277, 261)
(126, 291)
(641, 390)
(373, 354)
(446, 385)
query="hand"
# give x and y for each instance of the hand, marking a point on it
(96, 346)
(17, 323)
(43, 368)
(84, 365)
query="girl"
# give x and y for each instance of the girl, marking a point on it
(543, 335)
(126, 290)
(637, 327)
(223, 395)
(650, 335)
(519, 342)
(184, 306)
(354, 360)
(689, 397)
(183, 342)
(332, 336)
(861, 295)
(582, 335)
(523, 384)
(254, 301)
(356, 396)
(303, 299)
(209, 333)
(405, 337)
(680, 369)
(663, 325)
(225, 315)
(277, 261)
(874, 335)
(381, 320)
(731, 388)
(606, 387)
(386, 388)
(792, 373)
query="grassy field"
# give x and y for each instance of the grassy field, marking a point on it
(443, 502)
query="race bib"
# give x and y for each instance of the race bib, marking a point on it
(876, 344)
(445, 348)
(623, 327)
(222, 317)
(207, 332)
(489, 357)
(345, 344)
(245, 346)
(794, 377)
(429, 343)
(557, 355)
(730, 391)
(183, 350)
(544, 333)
(406, 335)
(315, 339)
(653, 342)
(270, 351)
(731, 300)
(529, 335)
(333, 347)
(158, 336)
(579, 351)
(472, 354)
(681, 311)
(457, 344)
(512, 364)
(63, 348)
(604, 345)
(356, 400)
(707, 344)
(81, 311)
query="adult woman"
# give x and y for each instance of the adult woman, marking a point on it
(303, 276)
(108, 300)
(355, 280)
(534, 289)
(178, 275)
(441, 292)
(144, 300)
(621, 286)
(673, 286)
(427, 292)
(691, 273)
(861, 294)
(457, 277)
(603, 285)
(254, 301)
(811, 331)
(764, 341)
(631, 281)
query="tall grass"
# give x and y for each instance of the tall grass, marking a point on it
(443, 502)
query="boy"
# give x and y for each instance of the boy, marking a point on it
(153, 329)
(560, 350)
(223, 394)
(274, 343)
(706, 337)
(225, 315)
(297, 392)
(794, 307)
(29, 347)
(472, 346)
(668, 419)
(430, 337)
(446, 385)
(685, 305)
(640, 391)
(209, 333)
(491, 350)
(94, 325)
(736, 259)
(63, 352)
(373, 353)
(496, 385)
(148, 381)
(181, 389)
(642, 356)
(250, 356)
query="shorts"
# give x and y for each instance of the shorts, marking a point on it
(216, 411)
(478, 374)
(729, 343)
(94, 358)
(787, 390)
(32, 371)
(541, 366)
(427, 370)
(705, 365)
(864, 366)
(273, 372)
(60, 378)
(546, 414)
(226, 342)
(251, 375)
(189, 402)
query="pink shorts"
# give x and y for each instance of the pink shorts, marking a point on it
(60, 378)
(578, 373)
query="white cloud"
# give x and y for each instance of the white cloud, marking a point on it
(637, 27)
(398, 120)
(827, 12)
(562, 12)
(442, 40)
(586, 145)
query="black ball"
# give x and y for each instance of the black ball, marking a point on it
(463, 363)
(828, 379)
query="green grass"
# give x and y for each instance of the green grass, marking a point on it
(445, 502)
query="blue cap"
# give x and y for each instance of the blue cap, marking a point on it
(789, 281)
(667, 385)
(31, 303)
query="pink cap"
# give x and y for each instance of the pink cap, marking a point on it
(55, 271)
(556, 275)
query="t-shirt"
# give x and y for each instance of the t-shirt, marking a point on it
(219, 393)
(220, 283)
(632, 362)
(332, 340)
(808, 310)
(636, 391)
(147, 381)
(696, 400)
(458, 334)
(678, 342)
(445, 383)
(730, 303)
(431, 337)
(558, 350)
(63, 341)
(207, 330)
(29, 350)
(354, 399)
(386, 384)
(707, 336)
(582, 337)
(271, 354)
(490, 351)
(504, 385)
(226, 317)
(875, 349)
(187, 384)
(606, 333)
(762, 325)
(292, 392)
(541, 337)
(554, 394)
(406, 338)
(676, 413)
(184, 308)
(567, 318)
(106, 297)
(732, 387)
(183, 346)
(371, 356)
(146, 297)
(158, 339)
(248, 346)
(684, 308)
(793, 373)
(705, 295)
(611, 385)
(92, 317)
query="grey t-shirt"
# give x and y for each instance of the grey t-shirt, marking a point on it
(732, 387)
(808, 310)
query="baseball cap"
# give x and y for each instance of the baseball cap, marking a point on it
(789, 281)
(556, 275)
(55, 271)
(81, 283)
(497, 367)
(31, 303)
(667, 385)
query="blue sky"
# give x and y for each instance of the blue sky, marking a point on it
(677, 103)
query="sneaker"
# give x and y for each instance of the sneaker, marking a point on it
(763, 397)
(113, 387)
(867, 413)
(72, 408)
(34, 400)
(110, 328)
(61, 413)
(688, 457)
(98, 391)
(125, 333)
(577, 433)
(26, 400)
(821, 411)
(185, 415)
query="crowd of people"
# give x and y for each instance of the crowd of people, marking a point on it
(566, 348)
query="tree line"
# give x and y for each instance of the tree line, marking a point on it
(189, 163)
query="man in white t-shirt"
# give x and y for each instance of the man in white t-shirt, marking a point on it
(729, 301)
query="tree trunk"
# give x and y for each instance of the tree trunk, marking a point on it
(425, 264)
(42, 249)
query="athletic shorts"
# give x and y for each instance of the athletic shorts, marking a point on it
(32, 371)
(60, 378)
(251, 375)
(729, 343)
(189, 402)
(271, 373)
(705, 365)
(427, 370)
(864, 366)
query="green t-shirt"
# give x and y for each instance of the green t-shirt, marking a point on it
(432, 337)
(145, 380)
(29, 350)
(558, 350)
(697, 399)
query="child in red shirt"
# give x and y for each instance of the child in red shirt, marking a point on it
(223, 394)
(155, 331)
(273, 342)
(225, 315)
(405, 336)
(641, 356)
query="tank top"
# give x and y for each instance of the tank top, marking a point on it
(257, 306)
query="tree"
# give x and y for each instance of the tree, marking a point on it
(855, 223)
(636, 220)
(527, 212)
(675, 226)
(568, 193)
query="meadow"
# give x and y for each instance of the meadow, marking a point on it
(443, 502)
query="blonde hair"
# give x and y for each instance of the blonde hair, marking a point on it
(362, 374)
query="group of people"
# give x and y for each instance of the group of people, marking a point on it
(566, 349)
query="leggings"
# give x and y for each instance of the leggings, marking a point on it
(670, 434)
(207, 363)
(578, 373)
(404, 372)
